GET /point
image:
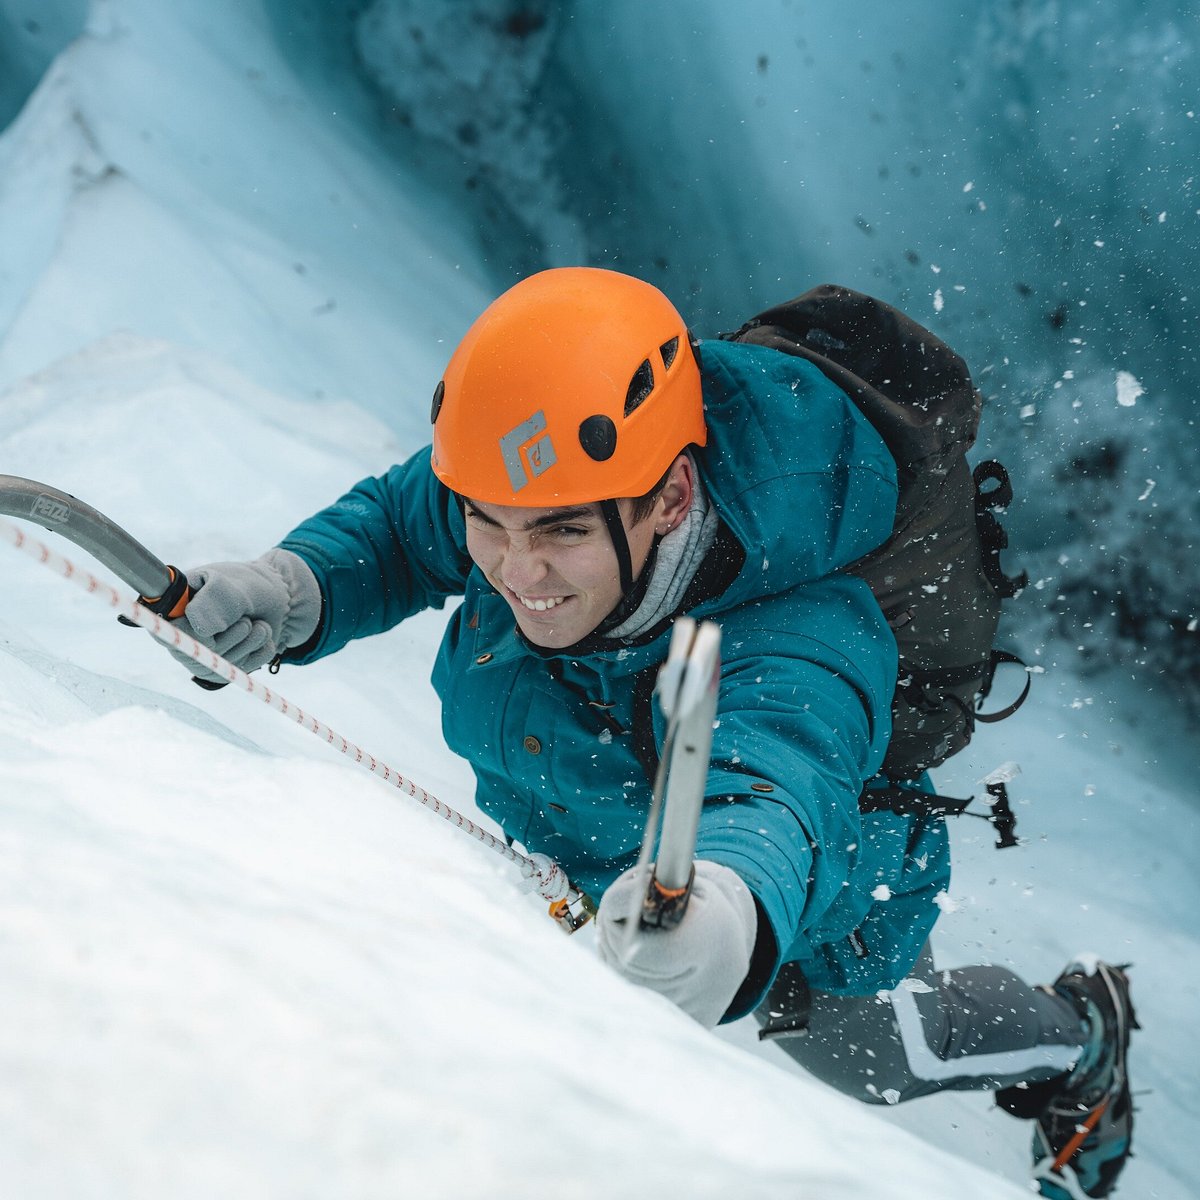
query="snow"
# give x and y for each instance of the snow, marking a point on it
(232, 962)
(1128, 389)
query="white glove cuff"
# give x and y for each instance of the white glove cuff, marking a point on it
(304, 596)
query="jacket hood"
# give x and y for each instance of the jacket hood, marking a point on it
(796, 472)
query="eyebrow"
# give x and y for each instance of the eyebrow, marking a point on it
(560, 516)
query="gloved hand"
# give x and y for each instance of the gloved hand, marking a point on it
(701, 963)
(250, 611)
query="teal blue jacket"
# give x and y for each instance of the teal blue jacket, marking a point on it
(806, 486)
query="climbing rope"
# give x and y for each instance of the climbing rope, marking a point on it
(568, 906)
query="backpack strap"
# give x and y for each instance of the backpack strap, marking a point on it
(910, 802)
(644, 748)
(905, 801)
(997, 658)
(992, 537)
(928, 691)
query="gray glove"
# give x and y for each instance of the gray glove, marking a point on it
(248, 612)
(701, 963)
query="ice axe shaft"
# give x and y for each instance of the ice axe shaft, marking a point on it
(687, 691)
(92, 531)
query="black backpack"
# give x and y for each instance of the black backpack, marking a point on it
(938, 577)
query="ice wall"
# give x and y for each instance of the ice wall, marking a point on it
(1019, 177)
(31, 34)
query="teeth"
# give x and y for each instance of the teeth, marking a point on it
(541, 605)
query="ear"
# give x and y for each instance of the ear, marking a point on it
(676, 496)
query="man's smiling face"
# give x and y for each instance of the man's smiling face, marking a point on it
(556, 567)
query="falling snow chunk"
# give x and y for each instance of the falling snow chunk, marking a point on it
(918, 987)
(1028, 410)
(1150, 486)
(891, 1095)
(1089, 790)
(1128, 389)
(882, 892)
(1006, 772)
(939, 301)
(1098, 245)
(946, 903)
(968, 187)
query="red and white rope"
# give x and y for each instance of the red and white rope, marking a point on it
(549, 879)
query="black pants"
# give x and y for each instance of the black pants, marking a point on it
(974, 1028)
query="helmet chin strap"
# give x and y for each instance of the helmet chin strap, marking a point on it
(616, 532)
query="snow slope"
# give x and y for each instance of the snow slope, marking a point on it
(230, 962)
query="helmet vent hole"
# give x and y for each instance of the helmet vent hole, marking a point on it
(640, 386)
(439, 394)
(668, 350)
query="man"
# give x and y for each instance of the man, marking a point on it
(595, 473)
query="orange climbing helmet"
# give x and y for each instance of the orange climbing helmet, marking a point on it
(576, 385)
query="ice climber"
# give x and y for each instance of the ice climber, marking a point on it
(594, 473)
